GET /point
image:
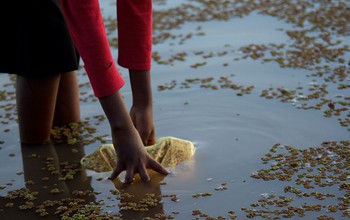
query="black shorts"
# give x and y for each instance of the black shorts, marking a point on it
(34, 39)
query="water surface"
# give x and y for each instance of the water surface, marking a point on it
(231, 133)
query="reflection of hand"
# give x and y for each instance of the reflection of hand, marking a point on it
(133, 157)
(139, 192)
(138, 187)
(143, 122)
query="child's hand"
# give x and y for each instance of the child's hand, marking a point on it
(143, 122)
(133, 157)
(131, 153)
(141, 111)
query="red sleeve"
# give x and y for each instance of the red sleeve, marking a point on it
(88, 32)
(135, 34)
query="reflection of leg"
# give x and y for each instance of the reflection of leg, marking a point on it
(45, 167)
(40, 166)
(36, 98)
(42, 172)
(67, 104)
(71, 170)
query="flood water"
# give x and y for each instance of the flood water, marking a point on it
(231, 132)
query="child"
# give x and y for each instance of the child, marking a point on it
(40, 91)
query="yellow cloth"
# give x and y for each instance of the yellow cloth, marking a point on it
(168, 151)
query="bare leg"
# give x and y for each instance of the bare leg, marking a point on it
(67, 104)
(36, 99)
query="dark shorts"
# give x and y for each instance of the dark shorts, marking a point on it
(34, 39)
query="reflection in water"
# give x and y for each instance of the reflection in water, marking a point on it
(139, 200)
(55, 184)
(57, 187)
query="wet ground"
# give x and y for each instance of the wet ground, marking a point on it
(262, 89)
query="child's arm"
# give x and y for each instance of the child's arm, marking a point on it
(87, 30)
(135, 53)
(142, 108)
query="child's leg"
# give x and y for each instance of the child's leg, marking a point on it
(67, 103)
(36, 99)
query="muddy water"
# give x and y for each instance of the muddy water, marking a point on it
(231, 132)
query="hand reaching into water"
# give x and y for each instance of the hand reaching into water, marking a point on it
(141, 111)
(131, 153)
(143, 122)
(133, 157)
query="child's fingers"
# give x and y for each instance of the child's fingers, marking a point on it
(143, 173)
(154, 165)
(129, 176)
(116, 172)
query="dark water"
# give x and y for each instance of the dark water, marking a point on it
(231, 133)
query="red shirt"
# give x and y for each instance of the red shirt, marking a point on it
(88, 32)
